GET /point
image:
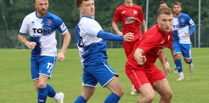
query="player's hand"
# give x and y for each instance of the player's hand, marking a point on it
(31, 45)
(187, 34)
(139, 58)
(128, 37)
(166, 69)
(61, 57)
(119, 33)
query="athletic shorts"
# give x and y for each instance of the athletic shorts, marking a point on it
(185, 49)
(130, 46)
(102, 73)
(140, 77)
(42, 65)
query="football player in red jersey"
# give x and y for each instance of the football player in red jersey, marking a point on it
(170, 46)
(131, 16)
(140, 67)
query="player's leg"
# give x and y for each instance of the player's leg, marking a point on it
(163, 88)
(89, 84)
(87, 92)
(34, 71)
(147, 92)
(141, 83)
(135, 45)
(177, 56)
(109, 80)
(170, 46)
(186, 51)
(175, 70)
(117, 92)
(179, 66)
(46, 66)
(106, 76)
(133, 90)
(42, 90)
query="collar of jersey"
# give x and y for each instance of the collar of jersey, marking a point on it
(88, 17)
(41, 17)
(177, 17)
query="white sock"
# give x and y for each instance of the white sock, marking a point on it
(181, 74)
(57, 97)
(133, 87)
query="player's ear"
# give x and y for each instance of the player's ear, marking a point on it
(157, 19)
(81, 9)
(35, 5)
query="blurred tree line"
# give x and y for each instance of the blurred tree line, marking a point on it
(68, 11)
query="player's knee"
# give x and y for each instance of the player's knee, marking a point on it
(178, 56)
(149, 97)
(168, 95)
(187, 60)
(119, 92)
(41, 85)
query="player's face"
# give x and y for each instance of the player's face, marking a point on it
(87, 8)
(42, 7)
(163, 5)
(177, 9)
(128, 1)
(165, 22)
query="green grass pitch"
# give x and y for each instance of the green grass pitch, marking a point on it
(16, 85)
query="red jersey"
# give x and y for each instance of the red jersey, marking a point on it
(130, 18)
(152, 42)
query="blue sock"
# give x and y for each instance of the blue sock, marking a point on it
(178, 65)
(80, 99)
(190, 62)
(112, 98)
(51, 92)
(42, 95)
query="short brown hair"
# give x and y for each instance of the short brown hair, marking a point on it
(164, 10)
(163, 2)
(177, 3)
(79, 2)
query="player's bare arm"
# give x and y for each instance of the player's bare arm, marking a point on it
(166, 67)
(138, 56)
(115, 27)
(23, 40)
(66, 42)
(128, 37)
(144, 27)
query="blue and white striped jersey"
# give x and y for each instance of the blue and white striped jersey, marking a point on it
(181, 26)
(42, 30)
(92, 49)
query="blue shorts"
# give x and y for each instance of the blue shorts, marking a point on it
(42, 65)
(185, 49)
(100, 73)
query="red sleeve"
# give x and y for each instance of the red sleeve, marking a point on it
(116, 16)
(149, 41)
(141, 15)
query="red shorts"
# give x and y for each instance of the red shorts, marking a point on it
(139, 77)
(129, 47)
